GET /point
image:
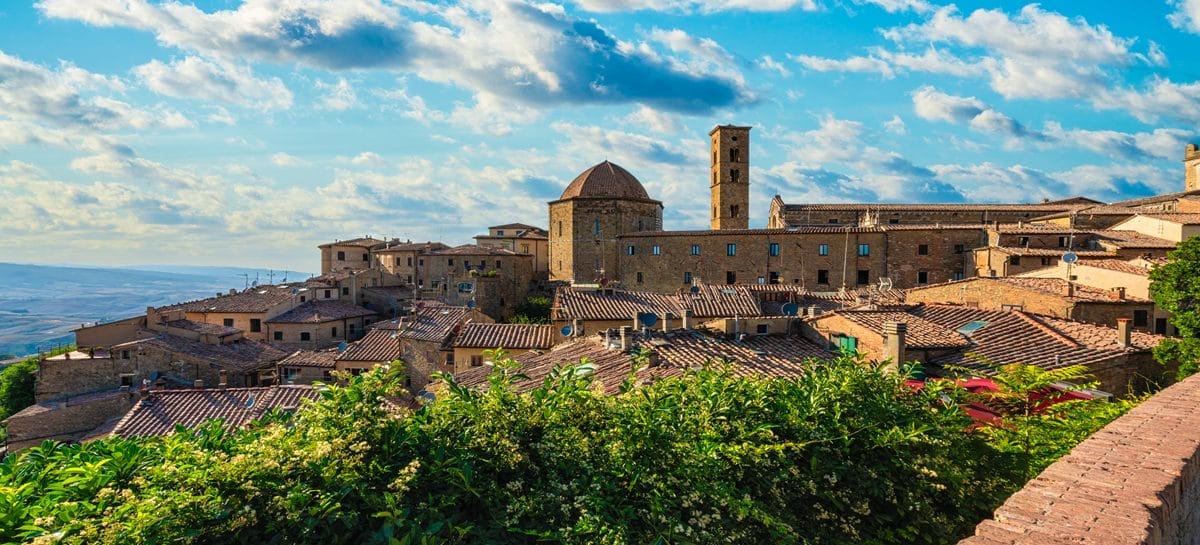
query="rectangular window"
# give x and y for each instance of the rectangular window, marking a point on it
(278, 335)
(695, 249)
(822, 249)
(630, 250)
(687, 277)
(730, 277)
(1023, 241)
(227, 322)
(1141, 318)
(774, 278)
(497, 263)
(864, 250)
(1047, 261)
(958, 275)
(345, 291)
(762, 280)
(762, 329)
(328, 294)
(1014, 260)
(960, 249)
(922, 249)
(303, 298)
(893, 221)
(409, 261)
(476, 360)
(595, 228)
(450, 262)
(255, 325)
(1012, 307)
(124, 354)
(733, 211)
(305, 336)
(1063, 242)
(847, 344)
(341, 256)
(864, 277)
(290, 373)
(735, 175)
(333, 331)
(366, 257)
(773, 249)
(560, 228)
(834, 220)
(639, 278)
(731, 249)
(822, 276)
(922, 277)
(656, 250)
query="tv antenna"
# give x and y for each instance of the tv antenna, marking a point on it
(271, 276)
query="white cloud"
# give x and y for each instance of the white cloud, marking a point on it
(895, 125)
(692, 6)
(835, 140)
(649, 118)
(283, 159)
(534, 54)
(1186, 16)
(200, 79)
(771, 65)
(368, 158)
(1160, 143)
(934, 105)
(338, 96)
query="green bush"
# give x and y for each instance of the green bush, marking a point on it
(843, 454)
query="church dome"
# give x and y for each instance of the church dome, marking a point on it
(606, 180)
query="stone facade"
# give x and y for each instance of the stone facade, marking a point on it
(584, 233)
(343, 255)
(496, 279)
(816, 258)
(730, 171)
(69, 420)
(1057, 298)
(1191, 168)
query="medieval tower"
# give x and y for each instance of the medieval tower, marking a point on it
(730, 177)
(1191, 168)
(601, 204)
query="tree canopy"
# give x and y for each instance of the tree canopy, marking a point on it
(1175, 288)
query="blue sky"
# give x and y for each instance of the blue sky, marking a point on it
(246, 133)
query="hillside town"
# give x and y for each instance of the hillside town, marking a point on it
(945, 286)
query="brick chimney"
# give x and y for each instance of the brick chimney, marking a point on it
(1069, 289)
(666, 320)
(894, 343)
(687, 318)
(625, 337)
(1117, 294)
(198, 384)
(1124, 332)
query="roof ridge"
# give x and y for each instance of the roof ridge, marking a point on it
(1045, 327)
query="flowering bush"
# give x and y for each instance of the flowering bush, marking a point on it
(843, 454)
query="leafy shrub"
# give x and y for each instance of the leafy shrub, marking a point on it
(843, 454)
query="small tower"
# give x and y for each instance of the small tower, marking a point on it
(730, 177)
(1191, 168)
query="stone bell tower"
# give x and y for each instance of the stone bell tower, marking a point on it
(1191, 168)
(730, 177)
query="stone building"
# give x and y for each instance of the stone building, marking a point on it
(599, 205)
(319, 324)
(496, 279)
(353, 254)
(522, 239)
(1175, 227)
(476, 338)
(730, 177)
(1109, 274)
(405, 259)
(308, 366)
(1047, 296)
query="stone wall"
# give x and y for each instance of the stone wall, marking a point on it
(67, 420)
(1136, 481)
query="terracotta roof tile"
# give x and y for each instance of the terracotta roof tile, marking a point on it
(591, 304)
(320, 311)
(713, 301)
(253, 300)
(243, 355)
(379, 345)
(921, 333)
(678, 351)
(1018, 337)
(606, 180)
(1058, 286)
(160, 411)
(435, 324)
(474, 249)
(1182, 219)
(1116, 265)
(311, 358)
(365, 242)
(202, 327)
(408, 247)
(508, 336)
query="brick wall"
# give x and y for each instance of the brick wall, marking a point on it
(64, 421)
(1137, 481)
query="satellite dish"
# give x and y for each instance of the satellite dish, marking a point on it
(342, 346)
(791, 309)
(694, 289)
(1070, 257)
(567, 330)
(647, 319)
(471, 303)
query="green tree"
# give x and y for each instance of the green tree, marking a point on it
(1175, 288)
(535, 310)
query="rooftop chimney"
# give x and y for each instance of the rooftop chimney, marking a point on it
(666, 319)
(1117, 294)
(198, 384)
(894, 343)
(625, 337)
(224, 379)
(1124, 332)
(232, 291)
(1069, 290)
(687, 318)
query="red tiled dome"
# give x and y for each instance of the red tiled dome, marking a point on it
(606, 180)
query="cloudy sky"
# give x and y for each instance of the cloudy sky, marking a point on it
(246, 133)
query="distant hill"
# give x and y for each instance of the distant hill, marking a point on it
(41, 304)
